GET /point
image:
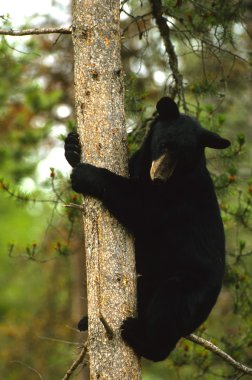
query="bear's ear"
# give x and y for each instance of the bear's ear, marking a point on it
(167, 109)
(213, 140)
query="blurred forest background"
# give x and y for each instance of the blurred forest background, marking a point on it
(42, 287)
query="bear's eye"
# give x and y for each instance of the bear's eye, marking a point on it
(163, 145)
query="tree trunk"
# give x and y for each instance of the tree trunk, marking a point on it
(99, 97)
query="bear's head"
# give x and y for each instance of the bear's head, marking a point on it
(177, 142)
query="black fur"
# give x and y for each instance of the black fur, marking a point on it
(174, 216)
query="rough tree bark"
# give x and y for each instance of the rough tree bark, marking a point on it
(99, 98)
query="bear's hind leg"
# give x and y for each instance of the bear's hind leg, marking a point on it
(160, 321)
(151, 343)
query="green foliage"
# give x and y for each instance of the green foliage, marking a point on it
(41, 101)
(205, 17)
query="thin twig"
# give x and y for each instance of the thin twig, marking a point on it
(75, 206)
(26, 32)
(108, 329)
(211, 347)
(29, 367)
(58, 340)
(76, 363)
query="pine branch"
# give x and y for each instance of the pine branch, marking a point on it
(222, 354)
(27, 32)
(20, 196)
(164, 30)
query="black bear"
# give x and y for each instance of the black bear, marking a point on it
(170, 206)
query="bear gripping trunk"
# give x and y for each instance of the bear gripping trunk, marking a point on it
(99, 96)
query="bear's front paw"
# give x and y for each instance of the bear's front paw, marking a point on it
(87, 179)
(73, 149)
